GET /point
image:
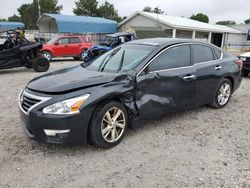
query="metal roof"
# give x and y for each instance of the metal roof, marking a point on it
(80, 24)
(182, 23)
(10, 25)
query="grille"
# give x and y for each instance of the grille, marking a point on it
(28, 102)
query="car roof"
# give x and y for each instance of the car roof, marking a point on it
(164, 41)
(120, 34)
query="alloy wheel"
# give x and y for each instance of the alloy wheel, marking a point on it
(224, 94)
(113, 125)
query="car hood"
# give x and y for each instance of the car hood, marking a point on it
(100, 47)
(69, 79)
(247, 54)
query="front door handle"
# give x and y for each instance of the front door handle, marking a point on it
(217, 67)
(189, 77)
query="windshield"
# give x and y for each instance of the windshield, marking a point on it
(121, 59)
(52, 41)
(107, 41)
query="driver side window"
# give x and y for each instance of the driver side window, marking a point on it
(175, 57)
(63, 41)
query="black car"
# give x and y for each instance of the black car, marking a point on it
(138, 80)
(246, 63)
(17, 51)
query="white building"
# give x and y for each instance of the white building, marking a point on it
(146, 25)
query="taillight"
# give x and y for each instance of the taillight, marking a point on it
(240, 63)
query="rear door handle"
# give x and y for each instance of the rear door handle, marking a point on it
(189, 77)
(66, 46)
(217, 67)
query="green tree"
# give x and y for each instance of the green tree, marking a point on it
(200, 17)
(247, 21)
(24, 11)
(147, 9)
(226, 22)
(92, 8)
(156, 10)
(29, 12)
(14, 18)
(107, 10)
(86, 8)
(3, 20)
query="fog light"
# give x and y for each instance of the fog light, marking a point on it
(50, 132)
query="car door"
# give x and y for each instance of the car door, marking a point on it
(167, 83)
(74, 46)
(61, 47)
(208, 71)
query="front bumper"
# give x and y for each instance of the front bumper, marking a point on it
(55, 129)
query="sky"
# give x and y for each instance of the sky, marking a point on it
(217, 10)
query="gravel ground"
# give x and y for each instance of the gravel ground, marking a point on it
(198, 148)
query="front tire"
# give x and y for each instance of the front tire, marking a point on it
(108, 125)
(222, 94)
(47, 55)
(41, 65)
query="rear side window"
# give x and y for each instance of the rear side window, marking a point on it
(175, 57)
(74, 40)
(202, 53)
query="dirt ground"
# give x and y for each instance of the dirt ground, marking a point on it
(198, 148)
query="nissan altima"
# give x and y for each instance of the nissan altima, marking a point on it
(142, 79)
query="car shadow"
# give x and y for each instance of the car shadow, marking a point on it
(16, 70)
(65, 60)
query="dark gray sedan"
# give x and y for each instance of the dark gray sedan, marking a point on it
(138, 80)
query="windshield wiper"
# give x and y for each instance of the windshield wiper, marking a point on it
(121, 62)
(104, 63)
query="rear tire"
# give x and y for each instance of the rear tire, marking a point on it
(41, 65)
(109, 124)
(222, 94)
(245, 73)
(29, 65)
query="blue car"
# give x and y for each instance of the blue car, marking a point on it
(111, 41)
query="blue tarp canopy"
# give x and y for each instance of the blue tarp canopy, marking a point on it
(56, 23)
(10, 25)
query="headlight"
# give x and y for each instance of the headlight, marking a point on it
(69, 106)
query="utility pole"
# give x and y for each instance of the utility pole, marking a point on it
(39, 12)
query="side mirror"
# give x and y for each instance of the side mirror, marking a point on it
(56, 43)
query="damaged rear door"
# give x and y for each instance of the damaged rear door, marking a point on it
(167, 83)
